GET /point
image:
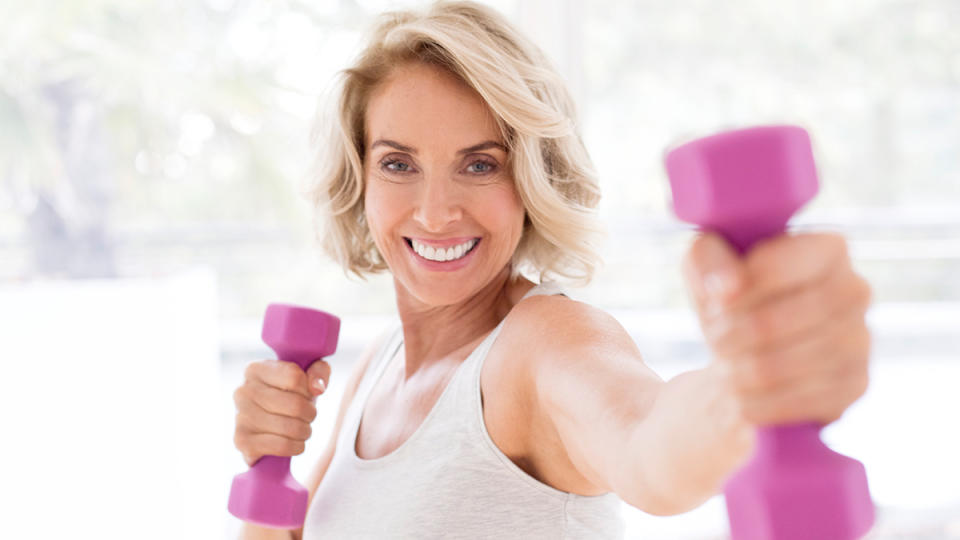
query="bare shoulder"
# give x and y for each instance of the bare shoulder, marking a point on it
(554, 341)
(558, 360)
(554, 327)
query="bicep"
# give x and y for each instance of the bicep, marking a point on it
(593, 387)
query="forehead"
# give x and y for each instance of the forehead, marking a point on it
(420, 104)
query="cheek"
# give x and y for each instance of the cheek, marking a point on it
(377, 210)
(507, 211)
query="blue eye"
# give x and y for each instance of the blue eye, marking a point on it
(395, 165)
(480, 167)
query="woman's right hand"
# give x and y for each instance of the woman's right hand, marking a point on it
(275, 406)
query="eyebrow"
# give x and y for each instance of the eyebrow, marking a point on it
(410, 150)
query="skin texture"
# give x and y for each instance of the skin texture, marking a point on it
(566, 394)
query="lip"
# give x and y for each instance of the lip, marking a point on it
(445, 266)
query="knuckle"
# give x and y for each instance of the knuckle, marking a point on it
(245, 422)
(860, 385)
(301, 431)
(299, 447)
(864, 292)
(288, 375)
(273, 445)
(757, 325)
(309, 412)
(252, 370)
(248, 371)
(291, 447)
(238, 396)
(840, 245)
(294, 429)
(239, 439)
(862, 341)
(834, 242)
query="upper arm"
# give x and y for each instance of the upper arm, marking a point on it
(323, 463)
(589, 382)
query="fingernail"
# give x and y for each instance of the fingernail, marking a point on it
(319, 385)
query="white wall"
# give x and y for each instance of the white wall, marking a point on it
(109, 403)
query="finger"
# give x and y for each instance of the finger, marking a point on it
(269, 444)
(843, 343)
(275, 401)
(820, 400)
(318, 377)
(256, 420)
(713, 271)
(789, 261)
(283, 375)
(789, 317)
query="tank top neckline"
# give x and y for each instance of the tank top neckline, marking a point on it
(393, 347)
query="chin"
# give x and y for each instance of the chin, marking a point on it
(443, 292)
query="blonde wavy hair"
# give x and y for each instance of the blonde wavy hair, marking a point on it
(552, 171)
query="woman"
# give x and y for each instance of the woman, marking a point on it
(499, 407)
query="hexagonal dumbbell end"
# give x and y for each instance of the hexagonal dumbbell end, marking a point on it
(745, 185)
(795, 488)
(268, 494)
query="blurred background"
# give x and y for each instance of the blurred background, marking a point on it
(152, 160)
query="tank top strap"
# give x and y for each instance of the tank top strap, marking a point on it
(467, 377)
(387, 351)
(547, 288)
(477, 357)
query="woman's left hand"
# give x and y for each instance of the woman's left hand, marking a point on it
(785, 323)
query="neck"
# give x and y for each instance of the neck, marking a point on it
(433, 334)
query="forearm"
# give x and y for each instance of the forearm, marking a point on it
(690, 442)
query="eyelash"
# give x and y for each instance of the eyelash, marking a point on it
(388, 162)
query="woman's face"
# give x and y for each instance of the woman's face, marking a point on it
(439, 201)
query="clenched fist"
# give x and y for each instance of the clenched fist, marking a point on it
(785, 323)
(275, 406)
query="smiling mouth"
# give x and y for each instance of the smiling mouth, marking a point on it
(435, 254)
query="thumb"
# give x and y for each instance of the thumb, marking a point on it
(318, 377)
(713, 271)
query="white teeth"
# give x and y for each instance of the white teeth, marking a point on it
(440, 254)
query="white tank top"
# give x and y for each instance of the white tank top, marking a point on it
(447, 480)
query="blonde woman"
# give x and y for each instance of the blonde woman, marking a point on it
(499, 407)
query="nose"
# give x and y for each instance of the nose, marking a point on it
(438, 204)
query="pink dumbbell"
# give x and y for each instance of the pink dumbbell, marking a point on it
(268, 494)
(745, 185)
